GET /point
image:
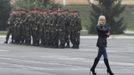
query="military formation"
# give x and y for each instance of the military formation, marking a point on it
(51, 28)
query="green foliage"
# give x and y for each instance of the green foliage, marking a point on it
(35, 3)
(4, 13)
(112, 10)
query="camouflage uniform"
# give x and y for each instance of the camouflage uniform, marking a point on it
(22, 28)
(50, 29)
(53, 22)
(75, 24)
(61, 31)
(17, 29)
(10, 28)
(67, 31)
(42, 29)
(47, 31)
(27, 29)
(34, 29)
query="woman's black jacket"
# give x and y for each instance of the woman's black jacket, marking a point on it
(102, 35)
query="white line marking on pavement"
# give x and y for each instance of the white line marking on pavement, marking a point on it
(43, 68)
(71, 68)
(59, 69)
(87, 60)
(116, 63)
(1, 50)
(38, 62)
(66, 66)
(109, 50)
(111, 37)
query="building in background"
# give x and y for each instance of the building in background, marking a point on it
(69, 2)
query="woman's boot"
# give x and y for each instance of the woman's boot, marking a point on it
(108, 67)
(94, 66)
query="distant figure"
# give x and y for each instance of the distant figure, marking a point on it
(103, 33)
(75, 28)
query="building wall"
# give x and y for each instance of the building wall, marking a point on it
(127, 2)
(72, 1)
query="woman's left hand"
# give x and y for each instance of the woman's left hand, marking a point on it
(108, 34)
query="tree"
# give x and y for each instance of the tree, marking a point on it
(112, 9)
(35, 3)
(4, 13)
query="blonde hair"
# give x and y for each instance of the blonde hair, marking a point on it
(101, 17)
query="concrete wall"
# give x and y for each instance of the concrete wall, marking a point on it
(127, 2)
(72, 1)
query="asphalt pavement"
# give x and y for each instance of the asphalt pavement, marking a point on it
(31, 60)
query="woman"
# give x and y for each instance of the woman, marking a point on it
(103, 32)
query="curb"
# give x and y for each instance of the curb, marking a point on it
(95, 37)
(111, 37)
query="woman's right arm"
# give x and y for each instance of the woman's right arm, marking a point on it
(101, 28)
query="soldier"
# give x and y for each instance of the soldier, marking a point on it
(57, 32)
(39, 27)
(75, 24)
(34, 29)
(27, 29)
(67, 28)
(17, 28)
(11, 27)
(44, 28)
(54, 33)
(47, 29)
(51, 28)
(61, 29)
(22, 28)
(78, 28)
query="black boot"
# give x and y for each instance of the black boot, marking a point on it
(108, 67)
(94, 66)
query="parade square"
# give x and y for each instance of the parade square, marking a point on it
(30, 60)
(66, 37)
